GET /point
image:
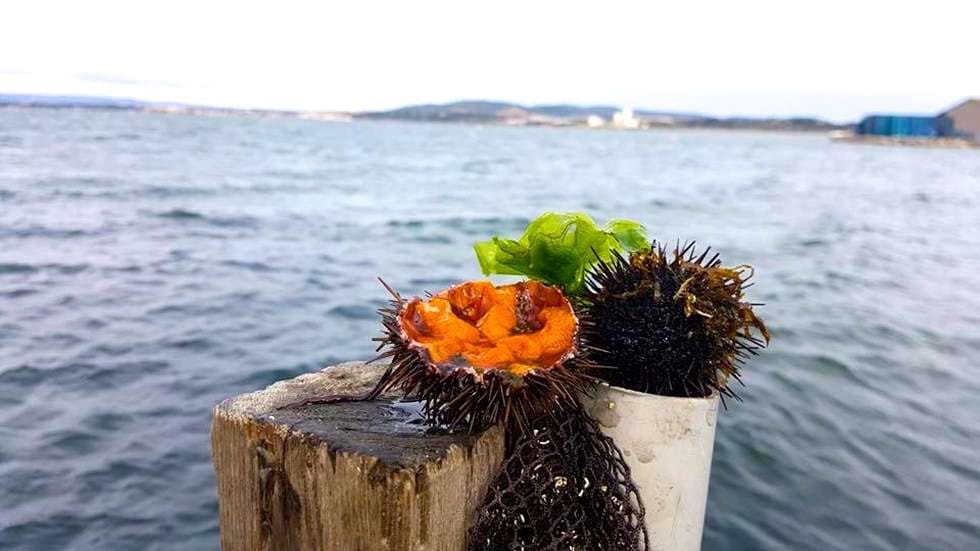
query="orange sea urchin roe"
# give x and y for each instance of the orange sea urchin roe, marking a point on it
(513, 327)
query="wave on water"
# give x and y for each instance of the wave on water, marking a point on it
(181, 214)
(121, 137)
(110, 188)
(187, 215)
(10, 141)
(478, 226)
(250, 266)
(19, 268)
(14, 268)
(48, 232)
(354, 311)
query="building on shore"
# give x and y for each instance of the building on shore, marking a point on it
(898, 125)
(961, 121)
(595, 121)
(625, 119)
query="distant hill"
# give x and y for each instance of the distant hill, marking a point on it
(92, 102)
(460, 111)
(795, 124)
(494, 111)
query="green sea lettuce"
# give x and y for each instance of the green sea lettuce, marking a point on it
(559, 248)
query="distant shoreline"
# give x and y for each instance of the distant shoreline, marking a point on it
(464, 112)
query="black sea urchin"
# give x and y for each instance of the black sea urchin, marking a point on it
(671, 326)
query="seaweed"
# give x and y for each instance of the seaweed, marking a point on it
(559, 248)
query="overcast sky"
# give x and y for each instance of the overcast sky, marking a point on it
(828, 58)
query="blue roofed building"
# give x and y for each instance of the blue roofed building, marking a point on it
(899, 125)
(959, 122)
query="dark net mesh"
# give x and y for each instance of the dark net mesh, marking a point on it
(563, 487)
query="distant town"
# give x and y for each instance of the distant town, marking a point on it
(958, 126)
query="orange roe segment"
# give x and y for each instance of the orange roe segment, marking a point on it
(444, 350)
(496, 356)
(438, 318)
(523, 347)
(499, 321)
(558, 330)
(471, 300)
(515, 328)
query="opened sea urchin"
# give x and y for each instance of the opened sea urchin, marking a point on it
(476, 354)
(674, 325)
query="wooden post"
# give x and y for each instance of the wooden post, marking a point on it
(344, 477)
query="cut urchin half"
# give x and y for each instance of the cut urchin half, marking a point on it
(477, 354)
(673, 324)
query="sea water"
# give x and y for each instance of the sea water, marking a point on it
(152, 265)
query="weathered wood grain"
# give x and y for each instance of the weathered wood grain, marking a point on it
(344, 477)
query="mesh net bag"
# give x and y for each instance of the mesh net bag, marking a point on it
(564, 486)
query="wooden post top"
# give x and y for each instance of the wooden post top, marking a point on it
(348, 476)
(388, 430)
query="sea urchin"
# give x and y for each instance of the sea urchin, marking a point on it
(675, 326)
(476, 354)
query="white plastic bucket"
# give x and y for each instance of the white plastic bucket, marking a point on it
(667, 443)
